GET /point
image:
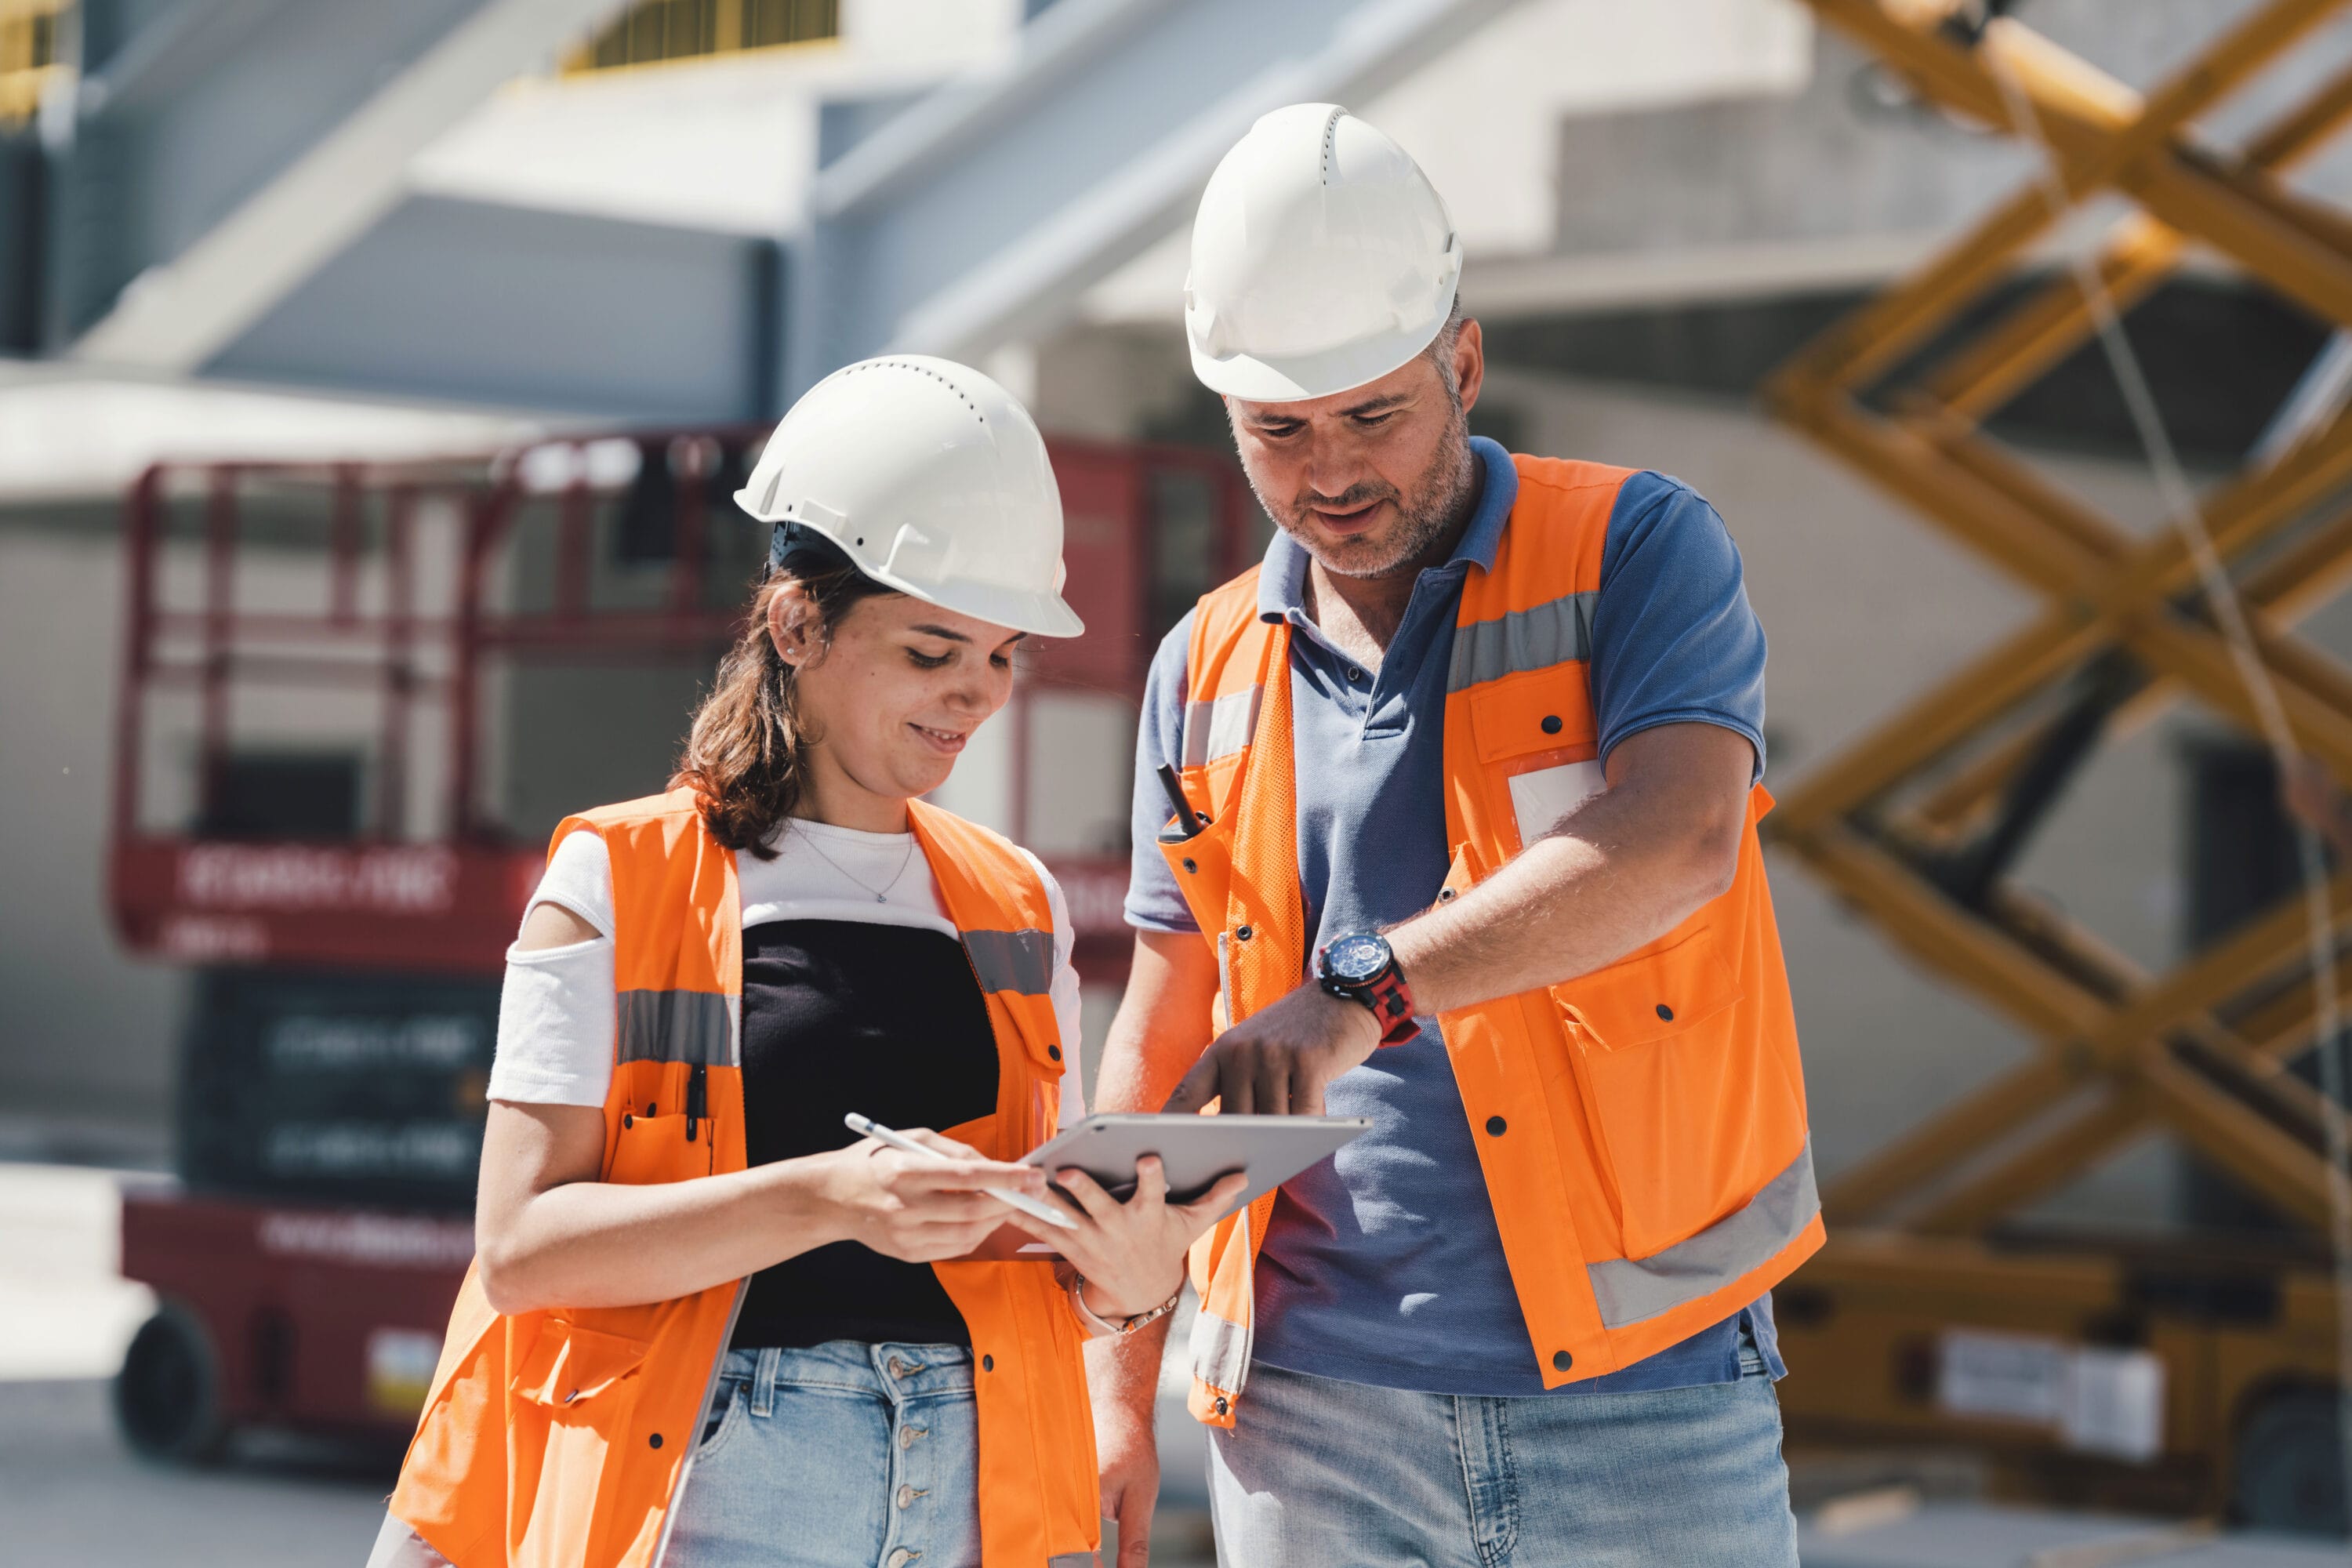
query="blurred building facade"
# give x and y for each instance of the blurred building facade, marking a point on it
(544, 230)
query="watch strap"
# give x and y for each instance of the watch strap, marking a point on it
(1391, 1005)
(1386, 994)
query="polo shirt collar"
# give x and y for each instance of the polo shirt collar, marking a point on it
(1282, 584)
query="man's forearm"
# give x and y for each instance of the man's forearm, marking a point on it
(1161, 1029)
(1162, 1023)
(1123, 1372)
(1622, 870)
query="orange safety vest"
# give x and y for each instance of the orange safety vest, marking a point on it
(1641, 1128)
(560, 1438)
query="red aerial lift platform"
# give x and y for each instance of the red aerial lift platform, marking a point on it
(354, 698)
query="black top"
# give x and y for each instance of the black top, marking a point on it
(841, 1015)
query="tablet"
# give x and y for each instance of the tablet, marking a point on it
(1196, 1150)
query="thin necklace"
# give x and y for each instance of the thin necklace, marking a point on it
(882, 893)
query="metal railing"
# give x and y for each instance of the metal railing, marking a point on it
(32, 34)
(652, 31)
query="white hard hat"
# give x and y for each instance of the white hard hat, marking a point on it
(1322, 258)
(932, 480)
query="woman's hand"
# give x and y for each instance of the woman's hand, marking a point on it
(919, 1210)
(1132, 1254)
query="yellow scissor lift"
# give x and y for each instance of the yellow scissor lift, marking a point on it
(1915, 825)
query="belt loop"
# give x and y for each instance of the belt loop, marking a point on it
(763, 1382)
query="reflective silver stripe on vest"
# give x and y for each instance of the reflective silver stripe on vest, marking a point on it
(1018, 961)
(1532, 638)
(1628, 1291)
(676, 1027)
(1220, 727)
(1075, 1559)
(399, 1546)
(1221, 1351)
(1221, 1348)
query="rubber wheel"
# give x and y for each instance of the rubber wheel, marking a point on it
(2289, 1470)
(167, 1398)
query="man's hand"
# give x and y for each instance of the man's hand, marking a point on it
(1279, 1060)
(1128, 1456)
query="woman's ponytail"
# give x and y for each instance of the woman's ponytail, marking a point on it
(745, 757)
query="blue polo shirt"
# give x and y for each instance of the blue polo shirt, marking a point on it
(1382, 1264)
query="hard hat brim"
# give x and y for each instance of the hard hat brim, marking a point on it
(1296, 378)
(1038, 614)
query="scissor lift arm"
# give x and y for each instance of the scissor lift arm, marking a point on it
(1916, 824)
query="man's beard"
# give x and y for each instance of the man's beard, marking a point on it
(1422, 517)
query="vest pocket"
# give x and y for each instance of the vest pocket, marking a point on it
(574, 1398)
(656, 1149)
(1673, 1091)
(567, 1364)
(1533, 711)
(1534, 734)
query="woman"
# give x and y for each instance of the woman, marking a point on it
(685, 1267)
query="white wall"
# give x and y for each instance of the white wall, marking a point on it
(85, 1033)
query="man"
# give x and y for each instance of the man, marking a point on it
(1466, 847)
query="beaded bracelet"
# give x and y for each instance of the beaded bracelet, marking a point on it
(1099, 1328)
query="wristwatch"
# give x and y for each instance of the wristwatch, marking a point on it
(1362, 968)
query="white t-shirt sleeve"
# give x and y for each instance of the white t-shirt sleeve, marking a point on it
(579, 877)
(556, 1010)
(1065, 993)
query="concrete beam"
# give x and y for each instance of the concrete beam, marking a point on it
(178, 315)
(978, 216)
(484, 304)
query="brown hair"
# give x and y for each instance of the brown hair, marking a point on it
(743, 757)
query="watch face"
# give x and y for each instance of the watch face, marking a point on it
(1354, 960)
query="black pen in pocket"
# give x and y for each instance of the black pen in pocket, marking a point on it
(1188, 821)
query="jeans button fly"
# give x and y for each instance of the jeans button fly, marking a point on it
(900, 1559)
(907, 1435)
(907, 1496)
(898, 1367)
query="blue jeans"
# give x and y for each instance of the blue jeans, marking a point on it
(838, 1455)
(1316, 1470)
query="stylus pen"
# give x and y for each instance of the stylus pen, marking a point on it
(1035, 1208)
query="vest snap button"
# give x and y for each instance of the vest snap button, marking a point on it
(1243, 932)
(654, 1440)
(1665, 1012)
(651, 1109)
(1494, 1125)
(1444, 895)
(1055, 1052)
(1222, 1406)
(1563, 1360)
(1551, 724)
(627, 1121)
(988, 1364)
(1190, 865)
